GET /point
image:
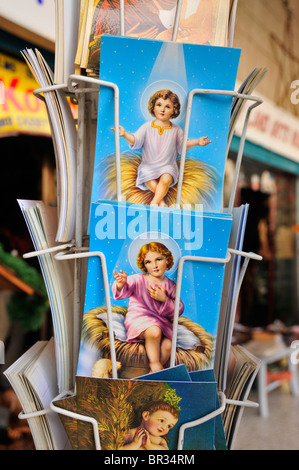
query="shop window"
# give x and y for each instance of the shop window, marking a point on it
(269, 288)
(27, 172)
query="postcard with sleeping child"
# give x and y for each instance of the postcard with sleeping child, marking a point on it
(146, 415)
(100, 398)
(155, 79)
(165, 271)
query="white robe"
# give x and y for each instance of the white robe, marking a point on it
(160, 149)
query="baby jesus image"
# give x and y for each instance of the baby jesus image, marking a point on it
(156, 421)
(151, 303)
(161, 142)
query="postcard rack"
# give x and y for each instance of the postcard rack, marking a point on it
(89, 419)
(223, 400)
(80, 87)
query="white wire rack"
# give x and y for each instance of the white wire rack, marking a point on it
(80, 86)
(223, 400)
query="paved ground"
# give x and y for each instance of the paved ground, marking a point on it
(280, 431)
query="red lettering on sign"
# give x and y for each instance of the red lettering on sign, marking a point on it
(10, 95)
(280, 131)
(260, 121)
(32, 102)
(295, 139)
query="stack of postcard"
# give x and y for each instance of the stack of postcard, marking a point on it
(158, 242)
(64, 135)
(164, 268)
(189, 21)
(160, 411)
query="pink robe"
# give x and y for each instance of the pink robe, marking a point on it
(143, 311)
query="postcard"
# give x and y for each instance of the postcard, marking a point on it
(163, 397)
(164, 273)
(174, 116)
(200, 22)
(142, 18)
(146, 415)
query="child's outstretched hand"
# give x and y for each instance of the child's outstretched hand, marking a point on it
(120, 278)
(130, 138)
(202, 141)
(157, 293)
(121, 130)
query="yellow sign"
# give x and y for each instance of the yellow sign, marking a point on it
(20, 110)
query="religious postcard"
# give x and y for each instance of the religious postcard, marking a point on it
(199, 22)
(159, 282)
(146, 415)
(181, 403)
(164, 141)
(142, 18)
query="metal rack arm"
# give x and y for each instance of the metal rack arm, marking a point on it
(90, 254)
(73, 85)
(192, 93)
(182, 260)
(87, 419)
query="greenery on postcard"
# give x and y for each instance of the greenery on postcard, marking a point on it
(116, 405)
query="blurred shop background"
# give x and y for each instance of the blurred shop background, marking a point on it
(27, 172)
(267, 32)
